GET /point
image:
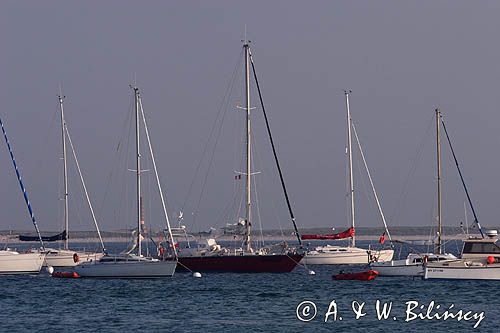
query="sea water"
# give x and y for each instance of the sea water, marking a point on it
(218, 302)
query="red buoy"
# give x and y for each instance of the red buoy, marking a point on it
(490, 260)
(69, 275)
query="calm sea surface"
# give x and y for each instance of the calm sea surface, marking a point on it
(239, 303)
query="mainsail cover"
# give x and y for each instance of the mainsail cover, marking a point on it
(53, 238)
(341, 235)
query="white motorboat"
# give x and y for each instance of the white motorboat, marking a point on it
(480, 260)
(349, 255)
(135, 265)
(13, 262)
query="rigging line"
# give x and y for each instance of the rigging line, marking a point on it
(40, 162)
(274, 152)
(209, 167)
(256, 161)
(163, 204)
(462, 179)
(23, 189)
(84, 187)
(396, 214)
(116, 158)
(371, 182)
(347, 194)
(224, 108)
(124, 188)
(221, 109)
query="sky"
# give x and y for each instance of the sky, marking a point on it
(401, 60)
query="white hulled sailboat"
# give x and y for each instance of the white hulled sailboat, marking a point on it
(135, 265)
(413, 265)
(348, 255)
(68, 257)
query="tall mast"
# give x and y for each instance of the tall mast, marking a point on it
(349, 150)
(21, 185)
(249, 152)
(65, 172)
(138, 169)
(438, 151)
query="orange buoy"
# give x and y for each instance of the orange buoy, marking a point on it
(362, 276)
(69, 275)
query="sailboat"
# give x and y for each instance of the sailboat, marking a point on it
(11, 261)
(135, 265)
(413, 265)
(348, 255)
(66, 257)
(210, 256)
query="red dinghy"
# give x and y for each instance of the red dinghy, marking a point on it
(70, 275)
(362, 276)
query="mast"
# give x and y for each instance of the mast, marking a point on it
(249, 152)
(65, 172)
(349, 149)
(138, 170)
(21, 185)
(438, 151)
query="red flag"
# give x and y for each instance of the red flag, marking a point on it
(381, 240)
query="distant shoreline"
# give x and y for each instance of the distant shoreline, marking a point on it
(12, 240)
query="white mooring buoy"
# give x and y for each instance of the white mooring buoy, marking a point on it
(50, 269)
(197, 274)
(311, 272)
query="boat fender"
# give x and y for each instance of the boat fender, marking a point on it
(76, 258)
(426, 260)
(490, 260)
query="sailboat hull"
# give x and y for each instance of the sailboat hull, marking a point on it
(339, 255)
(66, 258)
(12, 262)
(131, 269)
(245, 263)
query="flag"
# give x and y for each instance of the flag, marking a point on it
(381, 240)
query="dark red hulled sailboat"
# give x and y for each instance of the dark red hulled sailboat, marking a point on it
(246, 263)
(211, 257)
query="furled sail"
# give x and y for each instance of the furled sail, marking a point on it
(53, 238)
(341, 235)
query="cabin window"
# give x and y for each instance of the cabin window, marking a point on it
(481, 248)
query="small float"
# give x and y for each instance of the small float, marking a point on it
(362, 276)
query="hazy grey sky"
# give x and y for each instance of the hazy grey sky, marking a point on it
(401, 59)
